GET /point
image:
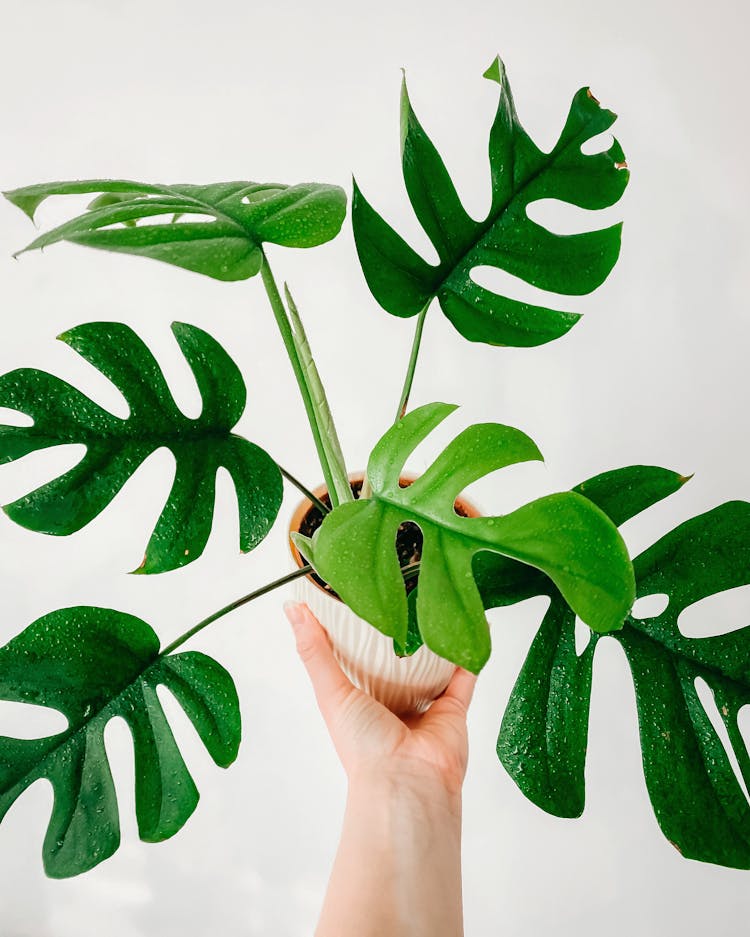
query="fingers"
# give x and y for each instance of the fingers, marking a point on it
(329, 682)
(461, 687)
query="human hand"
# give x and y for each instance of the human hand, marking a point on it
(431, 747)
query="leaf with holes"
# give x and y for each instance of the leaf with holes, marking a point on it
(521, 174)
(699, 804)
(243, 216)
(564, 534)
(116, 447)
(544, 732)
(93, 664)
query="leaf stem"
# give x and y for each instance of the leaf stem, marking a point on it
(409, 379)
(238, 603)
(285, 328)
(314, 499)
(408, 572)
(323, 415)
(366, 491)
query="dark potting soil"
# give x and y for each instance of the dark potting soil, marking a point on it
(408, 537)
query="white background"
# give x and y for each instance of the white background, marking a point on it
(655, 373)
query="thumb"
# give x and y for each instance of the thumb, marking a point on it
(329, 682)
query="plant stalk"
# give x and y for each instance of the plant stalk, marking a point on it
(323, 415)
(409, 379)
(403, 403)
(287, 336)
(408, 572)
(238, 603)
(314, 499)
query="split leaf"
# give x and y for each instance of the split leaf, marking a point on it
(116, 447)
(242, 217)
(93, 664)
(521, 174)
(700, 805)
(564, 535)
(544, 733)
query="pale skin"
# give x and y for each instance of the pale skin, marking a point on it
(398, 867)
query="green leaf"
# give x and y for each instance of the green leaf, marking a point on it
(699, 804)
(413, 635)
(542, 741)
(543, 737)
(562, 534)
(621, 494)
(93, 664)
(116, 447)
(243, 216)
(521, 174)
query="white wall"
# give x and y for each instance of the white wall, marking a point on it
(655, 373)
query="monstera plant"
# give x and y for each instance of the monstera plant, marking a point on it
(92, 664)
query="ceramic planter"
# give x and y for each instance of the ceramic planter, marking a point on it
(403, 684)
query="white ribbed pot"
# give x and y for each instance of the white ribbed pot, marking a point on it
(403, 684)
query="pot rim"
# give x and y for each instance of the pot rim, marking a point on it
(305, 504)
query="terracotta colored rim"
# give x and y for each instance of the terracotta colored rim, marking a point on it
(304, 506)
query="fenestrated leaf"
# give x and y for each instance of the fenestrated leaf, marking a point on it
(404, 283)
(699, 804)
(93, 664)
(621, 494)
(501, 581)
(563, 534)
(543, 737)
(116, 447)
(243, 216)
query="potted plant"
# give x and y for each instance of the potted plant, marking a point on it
(402, 559)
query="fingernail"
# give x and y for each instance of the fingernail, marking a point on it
(295, 613)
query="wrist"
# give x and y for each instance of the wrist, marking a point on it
(418, 791)
(398, 868)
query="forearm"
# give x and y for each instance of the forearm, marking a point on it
(398, 867)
